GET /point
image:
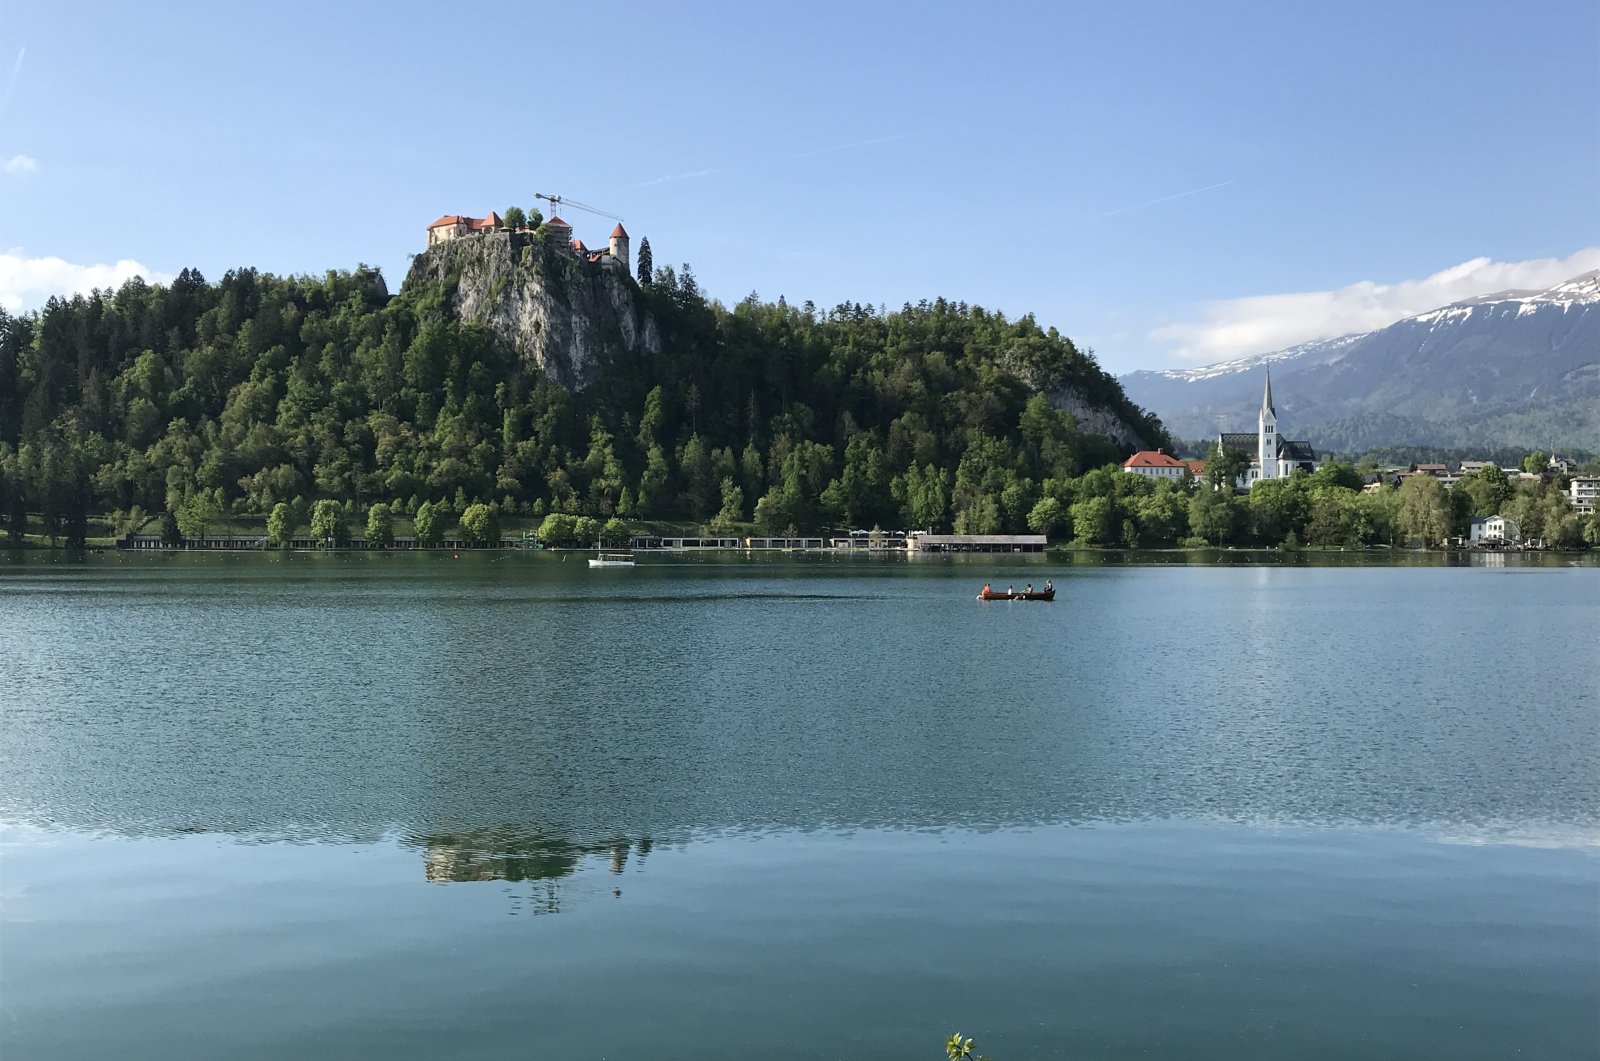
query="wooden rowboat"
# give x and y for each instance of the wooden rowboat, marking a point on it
(1041, 594)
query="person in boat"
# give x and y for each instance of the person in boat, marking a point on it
(1049, 587)
(1009, 592)
(986, 591)
(1029, 590)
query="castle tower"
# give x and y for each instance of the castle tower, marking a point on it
(619, 245)
(1267, 440)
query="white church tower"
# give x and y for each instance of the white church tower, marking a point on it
(1267, 436)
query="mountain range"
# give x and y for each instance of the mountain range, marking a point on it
(1514, 368)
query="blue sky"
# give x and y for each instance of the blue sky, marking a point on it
(1136, 175)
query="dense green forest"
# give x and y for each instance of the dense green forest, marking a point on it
(182, 405)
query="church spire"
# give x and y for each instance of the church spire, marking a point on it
(1266, 398)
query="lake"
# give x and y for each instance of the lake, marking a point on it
(414, 806)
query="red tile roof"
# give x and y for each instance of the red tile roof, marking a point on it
(1152, 458)
(1198, 468)
(619, 231)
(556, 222)
(475, 224)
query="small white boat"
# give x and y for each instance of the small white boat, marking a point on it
(601, 559)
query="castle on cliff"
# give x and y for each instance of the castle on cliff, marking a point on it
(459, 226)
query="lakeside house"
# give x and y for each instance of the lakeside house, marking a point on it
(1584, 493)
(1156, 464)
(1497, 530)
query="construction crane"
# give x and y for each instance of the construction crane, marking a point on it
(555, 202)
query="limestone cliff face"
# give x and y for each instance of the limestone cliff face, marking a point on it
(1096, 419)
(1080, 387)
(559, 312)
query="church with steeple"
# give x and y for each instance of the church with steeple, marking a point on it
(1271, 455)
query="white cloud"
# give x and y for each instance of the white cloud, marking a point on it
(26, 283)
(1241, 326)
(19, 164)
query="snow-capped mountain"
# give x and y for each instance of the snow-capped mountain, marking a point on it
(1510, 368)
(1317, 349)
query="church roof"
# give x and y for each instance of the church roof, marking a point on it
(1266, 398)
(619, 231)
(1152, 458)
(1245, 440)
(1296, 451)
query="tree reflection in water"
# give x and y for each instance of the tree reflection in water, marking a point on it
(516, 853)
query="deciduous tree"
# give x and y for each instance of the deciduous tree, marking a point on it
(480, 525)
(380, 526)
(329, 524)
(280, 524)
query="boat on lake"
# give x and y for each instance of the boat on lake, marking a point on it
(604, 559)
(1048, 593)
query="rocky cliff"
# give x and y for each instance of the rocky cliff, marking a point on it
(560, 312)
(1097, 419)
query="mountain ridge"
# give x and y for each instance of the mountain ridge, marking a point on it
(1505, 368)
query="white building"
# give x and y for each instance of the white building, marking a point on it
(1159, 464)
(1273, 456)
(1494, 529)
(1584, 493)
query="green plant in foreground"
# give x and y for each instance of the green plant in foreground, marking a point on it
(958, 1049)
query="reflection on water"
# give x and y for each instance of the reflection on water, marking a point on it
(510, 853)
(1194, 811)
(513, 854)
(283, 699)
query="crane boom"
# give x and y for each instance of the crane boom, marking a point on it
(555, 202)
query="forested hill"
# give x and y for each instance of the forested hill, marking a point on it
(234, 396)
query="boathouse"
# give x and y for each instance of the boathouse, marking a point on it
(975, 543)
(790, 544)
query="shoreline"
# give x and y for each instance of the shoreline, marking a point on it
(1066, 555)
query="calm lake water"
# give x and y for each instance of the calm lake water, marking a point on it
(419, 807)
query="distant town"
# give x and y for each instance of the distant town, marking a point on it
(1265, 456)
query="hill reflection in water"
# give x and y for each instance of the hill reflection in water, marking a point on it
(535, 712)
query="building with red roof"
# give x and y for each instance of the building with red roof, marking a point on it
(455, 226)
(1156, 463)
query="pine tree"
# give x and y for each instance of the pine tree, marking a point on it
(646, 265)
